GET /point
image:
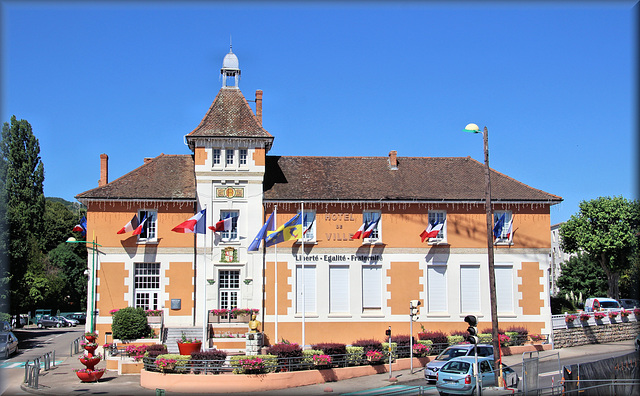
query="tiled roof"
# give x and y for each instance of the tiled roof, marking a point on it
(370, 178)
(229, 116)
(166, 177)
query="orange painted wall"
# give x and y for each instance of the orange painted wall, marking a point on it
(284, 288)
(111, 288)
(405, 286)
(200, 154)
(106, 220)
(402, 225)
(531, 287)
(259, 156)
(180, 286)
(349, 331)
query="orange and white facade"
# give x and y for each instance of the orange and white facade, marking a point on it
(326, 287)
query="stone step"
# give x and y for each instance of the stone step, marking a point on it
(174, 334)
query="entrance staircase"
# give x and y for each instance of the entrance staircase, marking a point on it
(172, 335)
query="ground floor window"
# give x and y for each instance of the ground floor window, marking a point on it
(306, 295)
(371, 288)
(147, 285)
(229, 288)
(470, 288)
(437, 288)
(504, 287)
(339, 288)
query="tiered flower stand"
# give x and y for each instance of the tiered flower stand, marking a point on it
(89, 360)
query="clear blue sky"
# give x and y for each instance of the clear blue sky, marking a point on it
(555, 83)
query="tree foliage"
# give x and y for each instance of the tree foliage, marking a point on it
(606, 230)
(580, 274)
(130, 324)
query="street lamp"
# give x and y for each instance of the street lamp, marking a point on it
(92, 324)
(473, 128)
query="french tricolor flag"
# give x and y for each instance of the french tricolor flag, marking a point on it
(140, 227)
(131, 225)
(370, 229)
(223, 225)
(358, 233)
(431, 231)
(195, 225)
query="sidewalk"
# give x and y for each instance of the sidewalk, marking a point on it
(62, 379)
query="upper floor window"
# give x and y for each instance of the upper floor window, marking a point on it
(309, 226)
(372, 220)
(503, 226)
(232, 234)
(437, 222)
(229, 156)
(243, 156)
(148, 221)
(216, 156)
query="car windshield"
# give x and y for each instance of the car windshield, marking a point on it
(450, 353)
(609, 304)
(4, 338)
(456, 367)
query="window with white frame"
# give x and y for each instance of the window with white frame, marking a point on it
(230, 235)
(437, 218)
(504, 287)
(504, 230)
(309, 226)
(470, 288)
(371, 287)
(146, 285)
(229, 154)
(216, 156)
(437, 287)
(372, 219)
(148, 220)
(228, 288)
(306, 288)
(242, 157)
(339, 289)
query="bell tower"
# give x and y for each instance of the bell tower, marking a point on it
(230, 70)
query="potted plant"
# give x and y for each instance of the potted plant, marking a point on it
(242, 315)
(599, 315)
(624, 313)
(613, 314)
(90, 336)
(219, 314)
(154, 315)
(374, 356)
(87, 375)
(570, 318)
(321, 360)
(584, 317)
(187, 345)
(536, 337)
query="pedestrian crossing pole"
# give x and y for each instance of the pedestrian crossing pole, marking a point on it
(388, 333)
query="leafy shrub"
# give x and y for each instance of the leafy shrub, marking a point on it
(514, 338)
(203, 361)
(308, 355)
(153, 351)
(439, 340)
(519, 336)
(403, 343)
(485, 338)
(269, 362)
(181, 361)
(130, 324)
(336, 350)
(368, 345)
(463, 333)
(560, 305)
(355, 355)
(285, 352)
(455, 339)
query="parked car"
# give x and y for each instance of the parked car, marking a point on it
(8, 344)
(68, 322)
(629, 303)
(80, 317)
(457, 376)
(601, 304)
(431, 371)
(49, 321)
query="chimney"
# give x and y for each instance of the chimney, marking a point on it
(259, 105)
(104, 170)
(393, 160)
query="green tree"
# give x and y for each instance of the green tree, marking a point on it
(59, 222)
(70, 259)
(23, 174)
(606, 230)
(580, 274)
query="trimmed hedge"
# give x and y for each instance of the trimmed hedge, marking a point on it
(181, 362)
(214, 358)
(369, 345)
(130, 324)
(270, 363)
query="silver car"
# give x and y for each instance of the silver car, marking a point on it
(457, 377)
(431, 371)
(8, 344)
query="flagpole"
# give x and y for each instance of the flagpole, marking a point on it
(205, 341)
(275, 252)
(304, 305)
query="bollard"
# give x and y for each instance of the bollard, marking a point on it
(26, 372)
(53, 359)
(159, 392)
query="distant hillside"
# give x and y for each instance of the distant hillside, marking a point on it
(75, 207)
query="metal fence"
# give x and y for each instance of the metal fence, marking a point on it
(32, 368)
(74, 347)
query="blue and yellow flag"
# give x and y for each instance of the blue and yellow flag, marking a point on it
(292, 229)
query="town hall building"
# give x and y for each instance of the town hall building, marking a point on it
(324, 285)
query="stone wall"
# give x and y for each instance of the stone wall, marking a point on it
(583, 335)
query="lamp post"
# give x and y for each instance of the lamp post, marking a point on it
(94, 244)
(473, 128)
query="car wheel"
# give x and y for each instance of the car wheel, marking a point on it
(57, 324)
(39, 325)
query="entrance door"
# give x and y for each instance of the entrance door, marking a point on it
(147, 285)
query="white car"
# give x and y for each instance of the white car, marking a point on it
(454, 351)
(457, 376)
(69, 321)
(601, 304)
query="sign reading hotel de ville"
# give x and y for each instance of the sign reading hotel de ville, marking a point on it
(344, 224)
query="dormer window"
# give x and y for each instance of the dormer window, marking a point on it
(216, 157)
(229, 157)
(243, 157)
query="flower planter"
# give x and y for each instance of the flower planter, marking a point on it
(90, 362)
(186, 348)
(90, 376)
(90, 349)
(154, 319)
(241, 319)
(90, 338)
